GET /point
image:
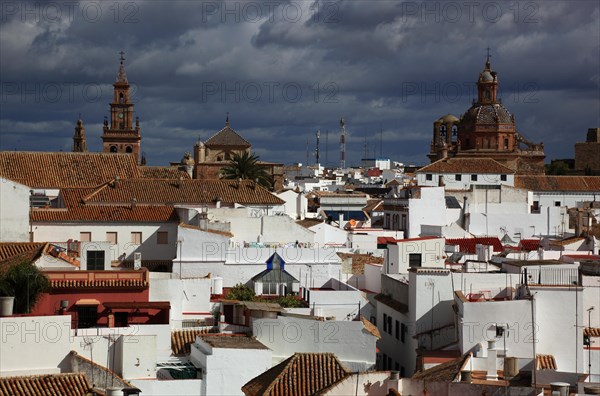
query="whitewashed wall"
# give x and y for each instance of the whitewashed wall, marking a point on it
(346, 339)
(14, 211)
(34, 344)
(124, 248)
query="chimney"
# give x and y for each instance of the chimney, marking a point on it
(491, 363)
(393, 382)
(341, 220)
(203, 219)
(464, 213)
(133, 203)
(180, 182)
(441, 182)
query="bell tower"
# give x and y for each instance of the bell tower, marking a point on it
(122, 136)
(79, 143)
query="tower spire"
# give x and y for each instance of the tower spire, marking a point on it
(227, 120)
(487, 61)
(121, 76)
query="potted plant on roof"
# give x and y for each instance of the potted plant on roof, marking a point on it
(7, 297)
(22, 285)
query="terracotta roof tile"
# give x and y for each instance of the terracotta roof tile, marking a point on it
(182, 339)
(58, 169)
(9, 249)
(173, 192)
(110, 375)
(307, 223)
(558, 183)
(105, 214)
(545, 362)
(444, 372)
(591, 331)
(373, 204)
(15, 253)
(370, 327)
(226, 137)
(466, 165)
(529, 244)
(163, 172)
(468, 245)
(98, 279)
(302, 374)
(69, 384)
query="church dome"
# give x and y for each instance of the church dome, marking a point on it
(488, 114)
(448, 119)
(486, 76)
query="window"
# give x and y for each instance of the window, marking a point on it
(473, 177)
(396, 366)
(128, 149)
(87, 316)
(402, 331)
(162, 237)
(428, 176)
(384, 363)
(397, 330)
(121, 319)
(136, 238)
(556, 203)
(535, 208)
(389, 363)
(414, 260)
(401, 371)
(113, 149)
(85, 236)
(389, 325)
(503, 177)
(111, 237)
(505, 143)
(385, 322)
(95, 260)
(458, 177)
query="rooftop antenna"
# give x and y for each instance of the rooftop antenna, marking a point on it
(366, 148)
(326, 146)
(306, 151)
(342, 144)
(317, 149)
(380, 141)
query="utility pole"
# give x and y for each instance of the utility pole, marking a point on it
(317, 149)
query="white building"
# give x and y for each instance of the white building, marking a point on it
(353, 342)
(14, 211)
(464, 173)
(227, 362)
(403, 254)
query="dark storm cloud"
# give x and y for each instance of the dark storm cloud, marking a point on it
(284, 69)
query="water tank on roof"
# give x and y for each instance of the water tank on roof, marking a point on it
(217, 285)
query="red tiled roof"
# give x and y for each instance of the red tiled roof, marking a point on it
(105, 214)
(302, 374)
(65, 169)
(467, 165)
(529, 244)
(468, 245)
(68, 384)
(386, 240)
(163, 172)
(226, 137)
(9, 249)
(445, 372)
(16, 253)
(558, 183)
(370, 327)
(182, 339)
(172, 192)
(98, 279)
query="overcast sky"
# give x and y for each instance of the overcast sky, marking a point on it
(284, 69)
